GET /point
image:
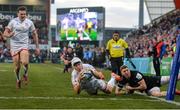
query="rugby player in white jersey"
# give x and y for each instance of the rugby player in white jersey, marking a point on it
(18, 31)
(65, 25)
(86, 77)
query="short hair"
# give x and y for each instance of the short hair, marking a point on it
(22, 8)
(123, 67)
(116, 32)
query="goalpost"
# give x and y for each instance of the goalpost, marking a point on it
(174, 71)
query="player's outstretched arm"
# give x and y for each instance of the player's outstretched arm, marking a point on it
(99, 74)
(76, 88)
(142, 86)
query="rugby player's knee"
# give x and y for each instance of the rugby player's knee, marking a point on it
(16, 64)
(24, 62)
(17, 67)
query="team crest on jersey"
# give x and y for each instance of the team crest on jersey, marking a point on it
(26, 24)
(139, 76)
(116, 46)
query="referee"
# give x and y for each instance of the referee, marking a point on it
(115, 50)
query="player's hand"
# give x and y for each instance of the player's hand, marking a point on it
(37, 51)
(101, 76)
(82, 73)
(11, 34)
(128, 87)
(81, 76)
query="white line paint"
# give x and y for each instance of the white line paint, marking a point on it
(160, 99)
(58, 68)
(76, 98)
(3, 70)
(6, 66)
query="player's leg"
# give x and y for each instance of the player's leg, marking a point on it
(89, 86)
(165, 80)
(119, 62)
(114, 67)
(65, 68)
(24, 58)
(112, 82)
(155, 91)
(102, 85)
(69, 68)
(16, 63)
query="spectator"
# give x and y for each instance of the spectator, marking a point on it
(79, 51)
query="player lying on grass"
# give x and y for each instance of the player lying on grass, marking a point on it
(86, 77)
(135, 81)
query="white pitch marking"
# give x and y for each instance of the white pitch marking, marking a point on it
(3, 70)
(160, 99)
(57, 68)
(74, 98)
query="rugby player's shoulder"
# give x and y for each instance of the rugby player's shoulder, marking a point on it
(28, 20)
(14, 19)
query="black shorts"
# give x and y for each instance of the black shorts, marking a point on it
(152, 81)
(68, 66)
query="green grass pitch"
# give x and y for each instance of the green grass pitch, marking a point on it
(50, 88)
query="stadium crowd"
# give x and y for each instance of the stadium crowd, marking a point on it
(141, 41)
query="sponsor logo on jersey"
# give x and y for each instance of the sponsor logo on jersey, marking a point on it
(139, 76)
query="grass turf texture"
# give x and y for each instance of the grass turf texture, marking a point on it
(72, 33)
(50, 88)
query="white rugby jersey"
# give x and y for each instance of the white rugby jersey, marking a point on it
(21, 29)
(75, 74)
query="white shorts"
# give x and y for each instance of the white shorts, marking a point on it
(93, 85)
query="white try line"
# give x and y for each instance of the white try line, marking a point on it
(3, 70)
(160, 99)
(5, 66)
(55, 67)
(76, 98)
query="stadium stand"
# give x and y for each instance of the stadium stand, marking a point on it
(140, 41)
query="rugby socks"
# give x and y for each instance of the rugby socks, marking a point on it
(112, 82)
(17, 74)
(25, 70)
(165, 79)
